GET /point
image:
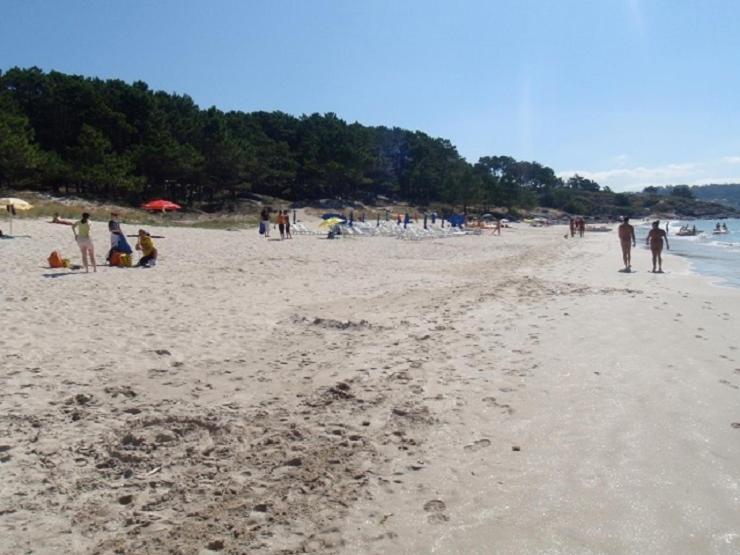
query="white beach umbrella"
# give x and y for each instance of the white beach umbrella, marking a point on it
(12, 205)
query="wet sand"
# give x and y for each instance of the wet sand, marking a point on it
(511, 394)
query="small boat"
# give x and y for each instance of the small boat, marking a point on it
(719, 232)
(601, 229)
(686, 231)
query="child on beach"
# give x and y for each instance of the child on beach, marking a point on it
(81, 231)
(148, 250)
(118, 242)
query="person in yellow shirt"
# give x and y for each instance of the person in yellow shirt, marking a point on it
(147, 248)
(81, 230)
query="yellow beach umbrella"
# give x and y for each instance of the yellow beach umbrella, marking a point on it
(13, 204)
(331, 222)
(17, 203)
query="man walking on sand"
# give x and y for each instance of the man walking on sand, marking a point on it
(627, 239)
(655, 240)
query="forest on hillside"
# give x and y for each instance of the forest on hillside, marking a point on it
(107, 139)
(726, 194)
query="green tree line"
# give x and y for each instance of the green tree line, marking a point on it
(107, 139)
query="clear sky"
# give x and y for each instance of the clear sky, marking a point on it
(628, 92)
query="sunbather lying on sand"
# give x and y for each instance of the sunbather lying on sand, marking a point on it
(57, 220)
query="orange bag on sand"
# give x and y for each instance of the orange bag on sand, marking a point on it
(56, 260)
(115, 259)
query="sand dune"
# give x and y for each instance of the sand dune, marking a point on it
(480, 394)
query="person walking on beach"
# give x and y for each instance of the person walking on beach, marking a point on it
(581, 227)
(572, 227)
(81, 230)
(627, 240)
(655, 240)
(265, 221)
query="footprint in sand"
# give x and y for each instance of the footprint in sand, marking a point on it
(435, 506)
(729, 384)
(477, 445)
(437, 518)
(735, 425)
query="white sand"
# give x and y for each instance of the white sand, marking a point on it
(365, 396)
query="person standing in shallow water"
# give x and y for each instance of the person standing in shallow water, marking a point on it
(627, 240)
(655, 240)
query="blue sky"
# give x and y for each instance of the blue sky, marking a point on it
(628, 92)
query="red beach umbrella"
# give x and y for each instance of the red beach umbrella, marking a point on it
(160, 205)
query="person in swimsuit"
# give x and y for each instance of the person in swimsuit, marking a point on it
(81, 230)
(655, 240)
(627, 240)
(286, 220)
(57, 220)
(581, 227)
(280, 221)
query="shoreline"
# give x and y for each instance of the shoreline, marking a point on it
(468, 395)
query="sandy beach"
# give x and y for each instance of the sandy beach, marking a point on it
(467, 395)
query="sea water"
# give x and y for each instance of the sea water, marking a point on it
(716, 255)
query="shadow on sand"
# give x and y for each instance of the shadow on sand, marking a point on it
(60, 274)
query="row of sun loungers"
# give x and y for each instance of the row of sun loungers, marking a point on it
(411, 232)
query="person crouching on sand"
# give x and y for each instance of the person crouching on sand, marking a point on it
(655, 240)
(118, 242)
(81, 230)
(148, 250)
(627, 239)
